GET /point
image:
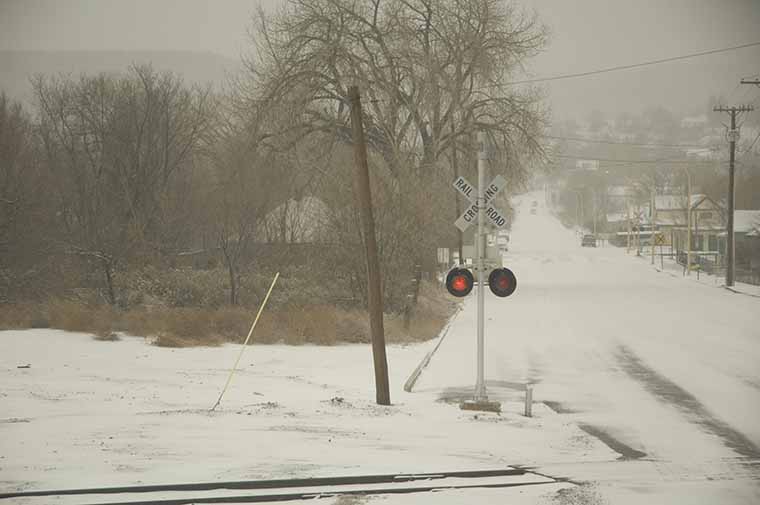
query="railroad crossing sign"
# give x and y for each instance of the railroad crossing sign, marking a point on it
(470, 215)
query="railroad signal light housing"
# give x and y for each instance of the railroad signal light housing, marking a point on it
(502, 282)
(459, 282)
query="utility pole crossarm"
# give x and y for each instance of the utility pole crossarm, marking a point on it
(734, 110)
(756, 82)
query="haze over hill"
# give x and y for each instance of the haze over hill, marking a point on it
(200, 40)
(203, 68)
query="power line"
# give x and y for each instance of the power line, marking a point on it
(635, 65)
(614, 142)
(752, 144)
(609, 160)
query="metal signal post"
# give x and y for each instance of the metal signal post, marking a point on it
(459, 280)
(480, 384)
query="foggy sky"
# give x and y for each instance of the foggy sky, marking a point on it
(586, 35)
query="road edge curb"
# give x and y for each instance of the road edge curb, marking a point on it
(412, 380)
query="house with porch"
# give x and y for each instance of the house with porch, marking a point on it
(707, 226)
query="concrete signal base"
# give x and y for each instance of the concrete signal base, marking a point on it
(481, 405)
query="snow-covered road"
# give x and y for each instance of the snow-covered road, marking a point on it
(664, 370)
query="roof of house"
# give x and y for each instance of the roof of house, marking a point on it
(747, 221)
(299, 221)
(678, 202)
(620, 191)
(617, 217)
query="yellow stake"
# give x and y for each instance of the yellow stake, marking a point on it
(263, 304)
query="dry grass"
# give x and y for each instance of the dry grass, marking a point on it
(183, 327)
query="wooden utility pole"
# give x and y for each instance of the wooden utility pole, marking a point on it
(374, 294)
(733, 136)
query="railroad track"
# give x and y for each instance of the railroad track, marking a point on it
(297, 489)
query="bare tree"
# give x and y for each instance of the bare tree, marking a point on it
(113, 145)
(24, 210)
(433, 71)
(432, 74)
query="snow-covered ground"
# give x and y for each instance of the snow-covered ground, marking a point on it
(662, 368)
(651, 387)
(88, 413)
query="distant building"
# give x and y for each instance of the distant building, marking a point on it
(587, 164)
(707, 223)
(747, 242)
(694, 121)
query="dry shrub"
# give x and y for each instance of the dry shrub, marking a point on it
(352, 326)
(427, 318)
(167, 340)
(183, 327)
(233, 323)
(141, 322)
(108, 337)
(22, 316)
(312, 324)
(72, 316)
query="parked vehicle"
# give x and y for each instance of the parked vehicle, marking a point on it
(588, 241)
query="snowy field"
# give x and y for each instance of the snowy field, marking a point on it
(89, 413)
(647, 387)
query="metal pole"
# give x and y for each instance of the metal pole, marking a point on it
(688, 222)
(480, 385)
(628, 242)
(529, 400)
(593, 196)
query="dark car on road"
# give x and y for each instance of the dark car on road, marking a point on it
(588, 241)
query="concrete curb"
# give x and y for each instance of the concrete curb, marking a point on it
(739, 292)
(412, 380)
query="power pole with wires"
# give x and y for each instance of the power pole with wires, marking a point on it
(374, 295)
(733, 136)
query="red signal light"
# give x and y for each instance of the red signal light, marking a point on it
(459, 282)
(502, 282)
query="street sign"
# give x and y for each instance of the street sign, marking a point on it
(659, 238)
(470, 192)
(470, 214)
(464, 187)
(496, 216)
(469, 217)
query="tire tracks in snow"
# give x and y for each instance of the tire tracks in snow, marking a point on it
(671, 393)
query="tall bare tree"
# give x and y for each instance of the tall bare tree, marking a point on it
(24, 209)
(113, 145)
(433, 72)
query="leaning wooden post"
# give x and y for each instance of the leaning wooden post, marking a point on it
(374, 298)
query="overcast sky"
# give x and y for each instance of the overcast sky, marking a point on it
(587, 34)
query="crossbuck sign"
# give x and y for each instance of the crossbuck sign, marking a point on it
(470, 215)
